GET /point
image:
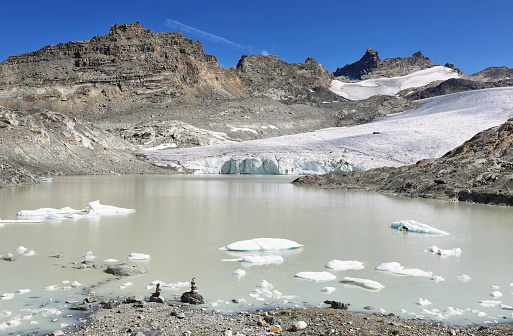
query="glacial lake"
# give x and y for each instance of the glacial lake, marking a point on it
(181, 221)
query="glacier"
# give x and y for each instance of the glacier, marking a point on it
(438, 125)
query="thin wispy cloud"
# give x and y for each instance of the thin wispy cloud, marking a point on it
(203, 34)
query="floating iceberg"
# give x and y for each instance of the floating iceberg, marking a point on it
(262, 244)
(138, 256)
(47, 212)
(258, 259)
(496, 294)
(100, 209)
(110, 260)
(30, 253)
(265, 284)
(23, 291)
(316, 276)
(344, 265)
(7, 296)
(21, 249)
(89, 256)
(396, 268)
(489, 303)
(413, 226)
(365, 283)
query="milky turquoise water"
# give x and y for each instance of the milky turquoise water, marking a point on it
(182, 221)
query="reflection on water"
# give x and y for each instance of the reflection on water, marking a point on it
(182, 221)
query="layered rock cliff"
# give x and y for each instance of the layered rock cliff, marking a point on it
(41, 143)
(127, 68)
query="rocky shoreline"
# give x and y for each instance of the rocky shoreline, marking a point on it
(140, 318)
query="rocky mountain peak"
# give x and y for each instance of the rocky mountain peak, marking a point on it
(357, 70)
(128, 28)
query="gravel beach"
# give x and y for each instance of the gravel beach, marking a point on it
(150, 318)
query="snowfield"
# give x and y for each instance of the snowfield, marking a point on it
(438, 125)
(391, 86)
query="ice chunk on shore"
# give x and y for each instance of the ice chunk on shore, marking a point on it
(365, 283)
(101, 209)
(344, 265)
(89, 256)
(316, 276)
(138, 256)
(396, 268)
(413, 226)
(262, 244)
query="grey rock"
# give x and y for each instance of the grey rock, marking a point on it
(192, 298)
(134, 299)
(83, 307)
(124, 270)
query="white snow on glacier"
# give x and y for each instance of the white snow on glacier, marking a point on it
(391, 86)
(438, 125)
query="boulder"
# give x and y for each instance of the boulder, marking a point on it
(124, 270)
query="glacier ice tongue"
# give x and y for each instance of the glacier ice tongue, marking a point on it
(262, 244)
(413, 226)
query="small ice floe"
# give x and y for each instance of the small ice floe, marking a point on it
(138, 256)
(445, 252)
(316, 276)
(262, 244)
(450, 311)
(52, 288)
(365, 283)
(30, 253)
(76, 284)
(100, 209)
(265, 284)
(396, 268)
(7, 296)
(481, 314)
(489, 303)
(65, 281)
(126, 284)
(178, 284)
(424, 302)
(503, 306)
(110, 260)
(239, 272)
(413, 226)
(329, 290)
(259, 259)
(344, 265)
(437, 278)
(23, 291)
(21, 249)
(496, 294)
(89, 256)
(496, 287)
(463, 277)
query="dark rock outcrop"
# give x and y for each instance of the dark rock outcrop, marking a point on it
(480, 170)
(493, 74)
(287, 82)
(360, 68)
(371, 66)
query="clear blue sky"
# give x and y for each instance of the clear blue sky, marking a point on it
(470, 34)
